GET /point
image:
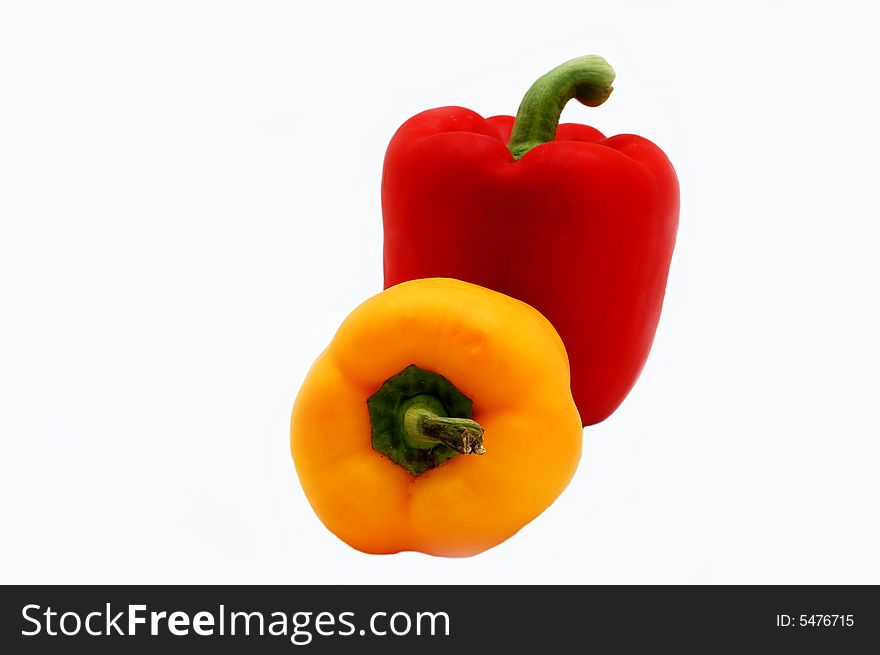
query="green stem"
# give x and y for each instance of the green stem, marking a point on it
(587, 79)
(425, 429)
(419, 420)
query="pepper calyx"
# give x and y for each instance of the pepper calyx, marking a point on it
(419, 420)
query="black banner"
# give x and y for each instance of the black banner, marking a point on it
(436, 619)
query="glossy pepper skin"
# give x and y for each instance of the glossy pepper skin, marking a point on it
(582, 227)
(503, 355)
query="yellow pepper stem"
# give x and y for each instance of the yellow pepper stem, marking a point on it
(419, 420)
(425, 429)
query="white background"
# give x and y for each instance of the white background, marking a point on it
(189, 206)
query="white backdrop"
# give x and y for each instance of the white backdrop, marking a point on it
(189, 206)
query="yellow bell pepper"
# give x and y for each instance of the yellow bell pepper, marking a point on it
(440, 419)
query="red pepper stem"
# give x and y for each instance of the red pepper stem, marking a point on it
(587, 79)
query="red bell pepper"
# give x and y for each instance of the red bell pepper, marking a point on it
(580, 226)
